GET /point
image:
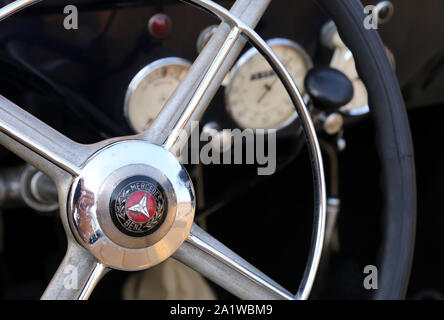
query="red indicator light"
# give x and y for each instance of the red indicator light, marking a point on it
(159, 25)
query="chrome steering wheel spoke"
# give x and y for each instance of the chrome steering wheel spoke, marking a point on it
(218, 263)
(192, 97)
(77, 275)
(37, 143)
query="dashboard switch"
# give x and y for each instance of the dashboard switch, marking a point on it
(328, 88)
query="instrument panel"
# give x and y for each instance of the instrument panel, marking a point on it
(255, 98)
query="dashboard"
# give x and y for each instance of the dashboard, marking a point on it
(113, 60)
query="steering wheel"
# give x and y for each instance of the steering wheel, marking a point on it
(97, 182)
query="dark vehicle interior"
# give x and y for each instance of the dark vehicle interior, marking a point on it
(76, 81)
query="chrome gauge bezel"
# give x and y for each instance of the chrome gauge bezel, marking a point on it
(249, 55)
(142, 74)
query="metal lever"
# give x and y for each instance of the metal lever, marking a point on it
(25, 185)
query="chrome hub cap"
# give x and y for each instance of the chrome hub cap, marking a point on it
(135, 211)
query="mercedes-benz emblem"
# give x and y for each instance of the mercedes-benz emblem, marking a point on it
(138, 206)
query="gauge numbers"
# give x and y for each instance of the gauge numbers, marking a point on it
(150, 89)
(255, 97)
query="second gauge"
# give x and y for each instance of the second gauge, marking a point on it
(255, 97)
(151, 88)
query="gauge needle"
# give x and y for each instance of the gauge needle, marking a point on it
(270, 86)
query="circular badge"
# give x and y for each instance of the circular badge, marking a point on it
(138, 206)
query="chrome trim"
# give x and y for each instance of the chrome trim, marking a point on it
(26, 129)
(248, 275)
(76, 276)
(142, 74)
(38, 191)
(201, 89)
(385, 5)
(253, 52)
(333, 210)
(15, 6)
(89, 205)
(204, 36)
(97, 273)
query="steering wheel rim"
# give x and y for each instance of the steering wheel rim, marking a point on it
(393, 141)
(196, 238)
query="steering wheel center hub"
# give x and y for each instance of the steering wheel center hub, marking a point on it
(132, 205)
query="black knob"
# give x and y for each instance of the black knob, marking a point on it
(328, 88)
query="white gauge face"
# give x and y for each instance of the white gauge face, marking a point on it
(343, 60)
(256, 98)
(150, 90)
(359, 104)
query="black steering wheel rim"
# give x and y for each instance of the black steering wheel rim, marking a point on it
(393, 142)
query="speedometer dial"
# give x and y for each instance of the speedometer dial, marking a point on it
(151, 88)
(255, 97)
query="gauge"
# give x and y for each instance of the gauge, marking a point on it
(151, 88)
(343, 60)
(255, 96)
(358, 106)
